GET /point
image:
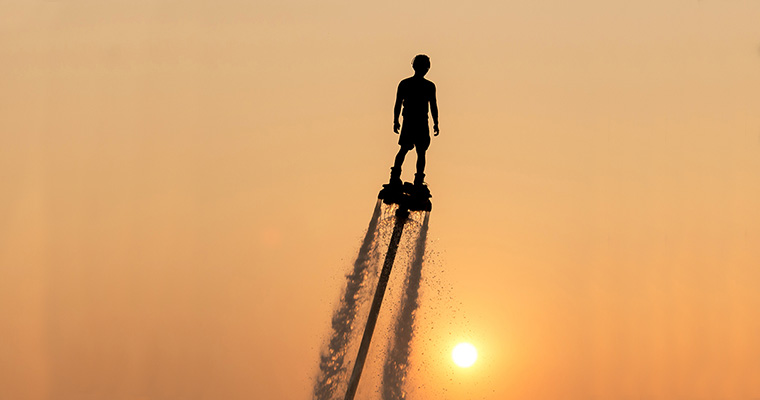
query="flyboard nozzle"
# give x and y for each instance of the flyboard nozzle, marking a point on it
(402, 213)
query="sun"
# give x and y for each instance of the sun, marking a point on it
(464, 355)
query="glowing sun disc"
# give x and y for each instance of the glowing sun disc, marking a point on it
(464, 355)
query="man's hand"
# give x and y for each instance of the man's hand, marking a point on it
(436, 130)
(396, 126)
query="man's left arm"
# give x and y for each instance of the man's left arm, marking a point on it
(434, 112)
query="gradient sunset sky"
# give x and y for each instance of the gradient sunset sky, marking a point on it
(183, 185)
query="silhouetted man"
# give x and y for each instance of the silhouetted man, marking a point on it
(414, 94)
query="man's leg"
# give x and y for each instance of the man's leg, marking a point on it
(421, 161)
(400, 158)
(419, 177)
(396, 169)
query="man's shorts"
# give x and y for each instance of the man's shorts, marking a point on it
(415, 133)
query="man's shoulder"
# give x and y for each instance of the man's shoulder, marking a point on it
(406, 81)
(416, 84)
(429, 86)
(413, 80)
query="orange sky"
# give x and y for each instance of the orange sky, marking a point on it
(185, 183)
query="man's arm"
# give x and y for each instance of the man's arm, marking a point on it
(397, 109)
(434, 112)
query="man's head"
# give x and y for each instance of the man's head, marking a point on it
(421, 64)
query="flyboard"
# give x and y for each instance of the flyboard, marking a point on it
(408, 197)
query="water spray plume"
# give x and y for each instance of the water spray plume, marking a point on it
(394, 372)
(398, 228)
(404, 199)
(331, 364)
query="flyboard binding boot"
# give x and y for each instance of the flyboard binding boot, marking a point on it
(419, 179)
(395, 176)
(408, 196)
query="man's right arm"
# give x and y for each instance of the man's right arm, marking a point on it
(397, 109)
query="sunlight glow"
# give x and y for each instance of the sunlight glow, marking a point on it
(464, 355)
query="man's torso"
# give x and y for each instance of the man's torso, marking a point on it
(416, 94)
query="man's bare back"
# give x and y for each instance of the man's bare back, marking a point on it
(416, 93)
